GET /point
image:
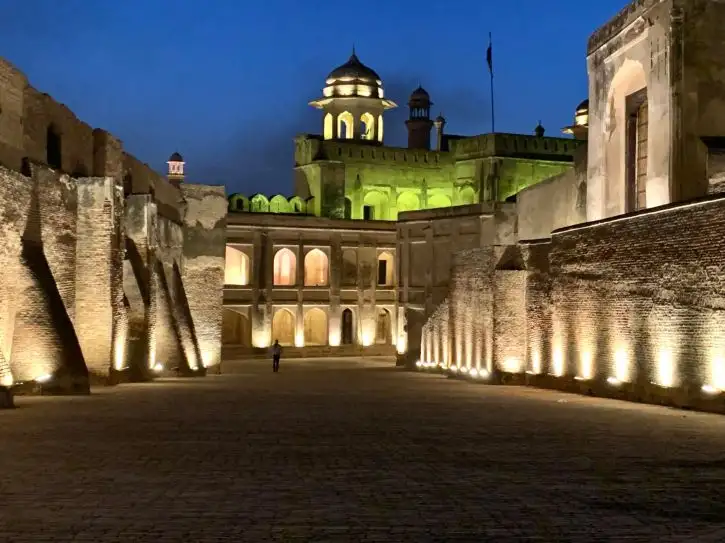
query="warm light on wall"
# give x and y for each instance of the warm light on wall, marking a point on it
(558, 362)
(346, 90)
(402, 344)
(299, 338)
(665, 369)
(536, 362)
(7, 380)
(512, 365)
(586, 365)
(260, 337)
(334, 338)
(717, 372)
(119, 350)
(621, 365)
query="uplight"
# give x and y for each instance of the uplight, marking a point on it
(43, 378)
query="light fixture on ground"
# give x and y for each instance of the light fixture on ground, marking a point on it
(614, 381)
(158, 367)
(43, 378)
(709, 389)
(473, 372)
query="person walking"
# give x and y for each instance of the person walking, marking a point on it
(276, 355)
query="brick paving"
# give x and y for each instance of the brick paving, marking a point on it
(355, 451)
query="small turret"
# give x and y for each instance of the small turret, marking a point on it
(419, 123)
(176, 169)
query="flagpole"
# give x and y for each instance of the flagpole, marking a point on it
(490, 69)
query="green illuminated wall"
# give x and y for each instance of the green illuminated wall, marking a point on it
(339, 179)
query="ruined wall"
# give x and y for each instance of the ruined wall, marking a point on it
(203, 266)
(471, 320)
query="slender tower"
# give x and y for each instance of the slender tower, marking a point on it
(419, 123)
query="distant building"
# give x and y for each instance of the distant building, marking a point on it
(322, 267)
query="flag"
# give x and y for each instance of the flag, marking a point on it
(489, 54)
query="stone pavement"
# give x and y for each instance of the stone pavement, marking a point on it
(355, 450)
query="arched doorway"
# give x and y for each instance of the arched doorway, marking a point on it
(315, 326)
(283, 327)
(382, 330)
(348, 330)
(316, 267)
(285, 267)
(235, 328)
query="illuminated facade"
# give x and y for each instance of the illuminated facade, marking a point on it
(334, 245)
(612, 282)
(109, 270)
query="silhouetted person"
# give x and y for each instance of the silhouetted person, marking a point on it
(276, 355)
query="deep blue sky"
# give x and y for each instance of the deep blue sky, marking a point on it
(226, 82)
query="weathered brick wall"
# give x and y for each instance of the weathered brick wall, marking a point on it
(38, 335)
(202, 269)
(642, 298)
(471, 308)
(509, 320)
(12, 90)
(538, 307)
(95, 311)
(435, 337)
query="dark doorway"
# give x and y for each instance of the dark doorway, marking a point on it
(53, 148)
(636, 151)
(368, 213)
(382, 272)
(348, 208)
(347, 328)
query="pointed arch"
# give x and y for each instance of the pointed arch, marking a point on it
(367, 126)
(380, 128)
(235, 328)
(348, 327)
(283, 327)
(315, 327)
(383, 329)
(316, 268)
(238, 203)
(328, 126)
(298, 205)
(345, 122)
(279, 204)
(236, 267)
(466, 195)
(386, 269)
(285, 268)
(259, 204)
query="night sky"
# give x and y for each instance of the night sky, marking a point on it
(226, 82)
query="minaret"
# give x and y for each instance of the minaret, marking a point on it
(176, 169)
(440, 124)
(419, 123)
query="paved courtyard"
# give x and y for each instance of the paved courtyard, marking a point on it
(355, 451)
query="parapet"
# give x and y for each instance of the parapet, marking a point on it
(620, 21)
(259, 203)
(515, 146)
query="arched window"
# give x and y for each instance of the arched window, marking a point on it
(467, 196)
(235, 328)
(382, 330)
(316, 268)
(238, 203)
(328, 126)
(259, 204)
(53, 148)
(283, 327)
(285, 268)
(279, 204)
(386, 271)
(367, 126)
(438, 200)
(408, 201)
(375, 206)
(236, 267)
(349, 268)
(345, 122)
(348, 327)
(380, 128)
(315, 326)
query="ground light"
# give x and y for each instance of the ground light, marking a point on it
(709, 389)
(43, 378)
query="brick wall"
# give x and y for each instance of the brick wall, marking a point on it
(643, 296)
(202, 269)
